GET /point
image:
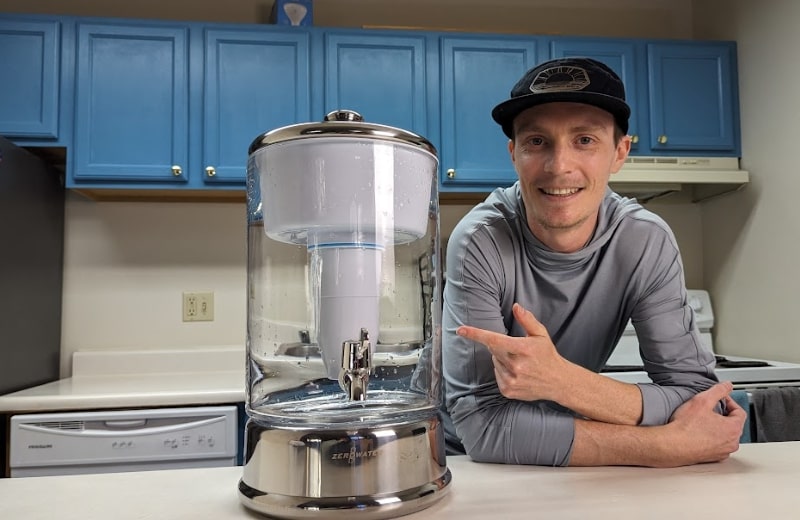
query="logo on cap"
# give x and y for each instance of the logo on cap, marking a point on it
(560, 79)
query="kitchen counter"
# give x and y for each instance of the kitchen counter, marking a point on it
(134, 391)
(139, 378)
(758, 481)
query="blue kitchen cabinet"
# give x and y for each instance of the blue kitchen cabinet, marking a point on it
(176, 106)
(255, 81)
(621, 57)
(131, 104)
(380, 75)
(477, 73)
(29, 91)
(693, 101)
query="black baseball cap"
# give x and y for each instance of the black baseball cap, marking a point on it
(577, 80)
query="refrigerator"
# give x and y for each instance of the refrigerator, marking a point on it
(31, 267)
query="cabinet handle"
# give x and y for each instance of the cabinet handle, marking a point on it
(634, 139)
(176, 170)
(662, 139)
(211, 171)
(451, 173)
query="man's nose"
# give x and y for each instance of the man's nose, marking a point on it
(560, 159)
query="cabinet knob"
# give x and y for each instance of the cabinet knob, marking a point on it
(176, 170)
(634, 139)
(662, 139)
(451, 173)
(211, 171)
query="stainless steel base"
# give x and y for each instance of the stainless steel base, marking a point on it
(381, 472)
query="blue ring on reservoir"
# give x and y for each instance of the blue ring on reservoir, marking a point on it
(346, 245)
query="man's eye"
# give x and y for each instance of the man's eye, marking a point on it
(585, 140)
(536, 141)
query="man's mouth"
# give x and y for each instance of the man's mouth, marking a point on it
(560, 192)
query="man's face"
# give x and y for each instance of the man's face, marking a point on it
(564, 154)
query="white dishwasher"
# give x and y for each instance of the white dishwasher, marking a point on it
(67, 443)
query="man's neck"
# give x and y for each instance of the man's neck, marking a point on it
(565, 240)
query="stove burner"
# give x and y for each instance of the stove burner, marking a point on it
(722, 362)
(622, 368)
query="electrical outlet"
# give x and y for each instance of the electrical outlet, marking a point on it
(198, 306)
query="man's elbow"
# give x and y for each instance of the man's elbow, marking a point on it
(484, 450)
(534, 439)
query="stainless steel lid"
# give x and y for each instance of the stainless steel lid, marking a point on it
(344, 123)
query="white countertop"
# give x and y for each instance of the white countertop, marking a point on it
(143, 390)
(141, 378)
(759, 481)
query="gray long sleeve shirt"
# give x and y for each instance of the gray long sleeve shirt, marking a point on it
(630, 270)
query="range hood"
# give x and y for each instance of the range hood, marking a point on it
(700, 178)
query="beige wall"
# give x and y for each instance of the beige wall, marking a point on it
(127, 264)
(752, 246)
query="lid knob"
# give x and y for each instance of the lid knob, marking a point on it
(343, 115)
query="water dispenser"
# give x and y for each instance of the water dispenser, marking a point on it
(344, 322)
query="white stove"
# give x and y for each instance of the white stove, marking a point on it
(625, 364)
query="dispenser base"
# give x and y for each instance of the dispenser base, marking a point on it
(380, 472)
(368, 507)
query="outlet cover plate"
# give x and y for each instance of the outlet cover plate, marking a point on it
(198, 306)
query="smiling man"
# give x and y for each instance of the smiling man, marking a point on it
(542, 278)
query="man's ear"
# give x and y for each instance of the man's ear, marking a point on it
(622, 151)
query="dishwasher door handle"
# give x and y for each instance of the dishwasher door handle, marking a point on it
(131, 428)
(126, 423)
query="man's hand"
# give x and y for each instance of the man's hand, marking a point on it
(525, 368)
(702, 433)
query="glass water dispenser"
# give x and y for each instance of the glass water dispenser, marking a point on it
(344, 322)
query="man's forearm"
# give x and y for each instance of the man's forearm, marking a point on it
(695, 434)
(602, 444)
(598, 397)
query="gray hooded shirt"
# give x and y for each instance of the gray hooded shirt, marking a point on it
(630, 270)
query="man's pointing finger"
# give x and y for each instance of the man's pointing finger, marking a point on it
(491, 340)
(528, 321)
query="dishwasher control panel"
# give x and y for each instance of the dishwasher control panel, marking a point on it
(122, 440)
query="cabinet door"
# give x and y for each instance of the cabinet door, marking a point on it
(380, 77)
(254, 82)
(29, 59)
(477, 74)
(131, 113)
(620, 57)
(692, 104)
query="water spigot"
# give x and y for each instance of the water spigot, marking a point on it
(356, 366)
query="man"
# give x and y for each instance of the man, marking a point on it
(542, 278)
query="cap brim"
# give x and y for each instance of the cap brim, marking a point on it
(505, 112)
